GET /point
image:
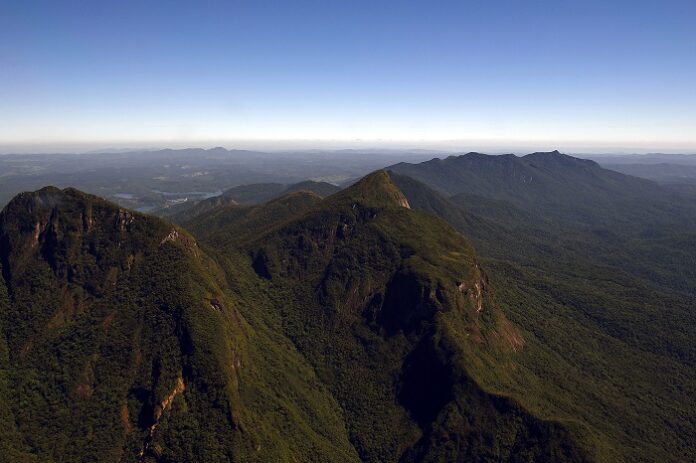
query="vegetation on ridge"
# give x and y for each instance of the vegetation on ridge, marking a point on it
(358, 327)
(606, 314)
(125, 344)
(380, 298)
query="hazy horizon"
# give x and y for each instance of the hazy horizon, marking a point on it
(589, 77)
(444, 146)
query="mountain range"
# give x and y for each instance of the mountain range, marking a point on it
(473, 308)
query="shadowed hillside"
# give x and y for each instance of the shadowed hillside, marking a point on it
(378, 298)
(357, 327)
(603, 308)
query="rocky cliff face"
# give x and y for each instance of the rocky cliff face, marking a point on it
(100, 324)
(83, 239)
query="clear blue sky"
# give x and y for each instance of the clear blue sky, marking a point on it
(564, 73)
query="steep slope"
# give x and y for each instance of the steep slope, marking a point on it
(11, 442)
(622, 218)
(613, 347)
(358, 327)
(392, 310)
(121, 341)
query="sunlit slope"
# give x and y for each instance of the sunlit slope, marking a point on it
(122, 342)
(357, 327)
(393, 311)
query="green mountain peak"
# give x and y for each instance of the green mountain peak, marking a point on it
(375, 189)
(358, 326)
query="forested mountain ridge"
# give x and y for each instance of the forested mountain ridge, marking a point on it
(625, 293)
(122, 334)
(617, 218)
(395, 315)
(552, 184)
(121, 342)
(356, 327)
